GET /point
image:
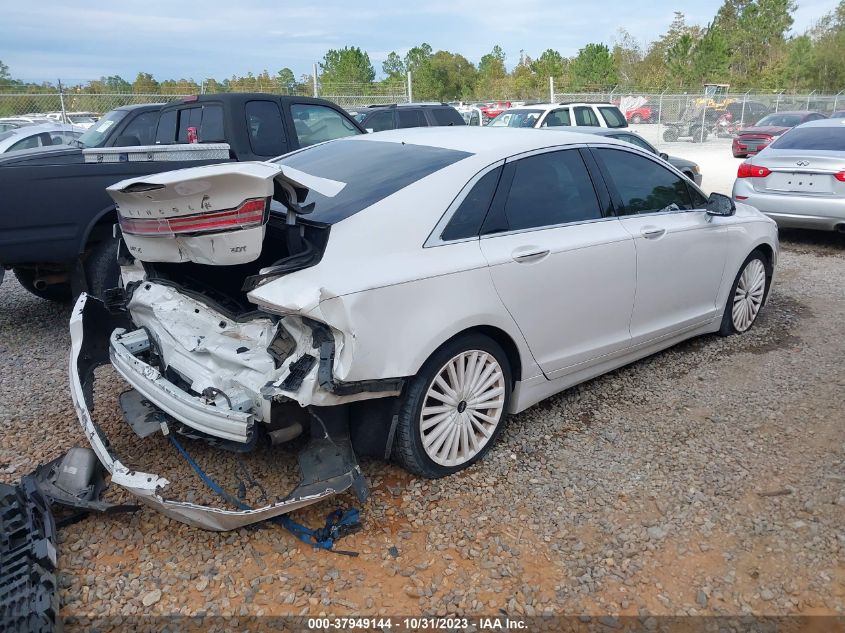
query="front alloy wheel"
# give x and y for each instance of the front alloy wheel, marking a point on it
(463, 407)
(748, 295)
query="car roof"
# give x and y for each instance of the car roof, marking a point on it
(490, 143)
(30, 130)
(139, 106)
(797, 112)
(824, 123)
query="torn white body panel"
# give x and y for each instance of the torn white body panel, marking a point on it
(88, 322)
(226, 359)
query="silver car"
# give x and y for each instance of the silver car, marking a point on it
(799, 180)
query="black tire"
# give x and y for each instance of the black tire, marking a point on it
(59, 293)
(670, 135)
(101, 269)
(408, 447)
(727, 327)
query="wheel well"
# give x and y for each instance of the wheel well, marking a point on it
(100, 230)
(769, 254)
(504, 340)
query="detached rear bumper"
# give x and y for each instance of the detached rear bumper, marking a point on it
(328, 464)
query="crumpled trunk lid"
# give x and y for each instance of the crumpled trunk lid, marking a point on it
(216, 214)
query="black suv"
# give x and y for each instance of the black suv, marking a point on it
(378, 118)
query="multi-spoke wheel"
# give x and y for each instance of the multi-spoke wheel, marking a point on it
(747, 296)
(454, 407)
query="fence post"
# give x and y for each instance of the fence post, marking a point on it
(808, 99)
(703, 120)
(836, 99)
(62, 101)
(777, 100)
(314, 76)
(410, 88)
(660, 115)
(742, 116)
(551, 89)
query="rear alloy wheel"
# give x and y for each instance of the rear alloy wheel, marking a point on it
(747, 296)
(454, 408)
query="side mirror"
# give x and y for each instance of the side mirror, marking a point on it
(664, 155)
(720, 204)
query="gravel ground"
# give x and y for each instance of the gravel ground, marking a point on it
(707, 479)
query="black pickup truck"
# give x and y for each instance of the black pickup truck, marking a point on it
(56, 218)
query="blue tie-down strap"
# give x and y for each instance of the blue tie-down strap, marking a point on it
(338, 523)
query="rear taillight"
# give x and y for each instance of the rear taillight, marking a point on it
(249, 214)
(840, 176)
(747, 170)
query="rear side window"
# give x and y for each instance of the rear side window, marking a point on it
(820, 138)
(266, 131)
(550, 189)
(447, 116)
(469, 216)
(613, 117)
(371, 170)
(411, 117)
(644, 185)
(586, 116)
(207, 119)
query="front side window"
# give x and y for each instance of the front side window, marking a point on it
(30, 142)
(549, 189)
(318, 123)
(142, 127)
(585, 116)
(266, 131)
(447, 116)
(166, 131)
(643, 185)
(380, 121)
(516, 118)
(633, 139)
(779, 120)
(469, 216)
(613, 117)
(557, 118)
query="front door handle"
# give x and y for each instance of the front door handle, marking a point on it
(652, 232)
(523, 256)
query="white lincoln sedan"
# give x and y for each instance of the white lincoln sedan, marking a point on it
(400, 294)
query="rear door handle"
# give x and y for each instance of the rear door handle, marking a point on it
(652, 232)
(525, 255)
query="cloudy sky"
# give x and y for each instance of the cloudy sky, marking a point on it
(77, 41)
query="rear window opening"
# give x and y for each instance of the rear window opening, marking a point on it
(223, 286)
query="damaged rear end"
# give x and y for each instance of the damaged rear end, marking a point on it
(200, 357)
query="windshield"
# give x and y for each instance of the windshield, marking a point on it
(814, 138)
(371, 171)
(516, 118)
(780, 120)
(97, 134)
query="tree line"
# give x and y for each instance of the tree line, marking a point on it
(748, 44)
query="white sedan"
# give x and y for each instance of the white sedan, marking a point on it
(402, 293)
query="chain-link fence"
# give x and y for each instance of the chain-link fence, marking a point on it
(698, 117)
(71, 103)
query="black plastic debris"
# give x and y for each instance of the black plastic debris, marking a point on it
(29, 600)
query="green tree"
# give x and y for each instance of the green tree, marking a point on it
(144, 84)
(417, 57)
(492, 75)
(393, 66)
(550, 63)
(627, 57)
(286, 80)
(444, 76)
(594, 67)
(346, 65)
(5, 77)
